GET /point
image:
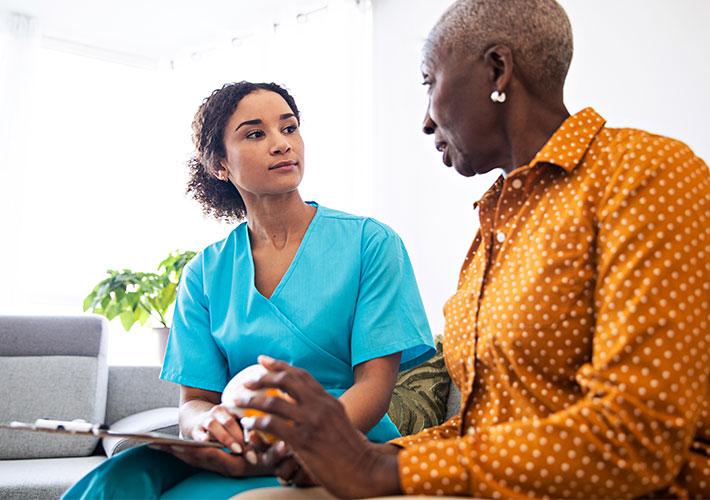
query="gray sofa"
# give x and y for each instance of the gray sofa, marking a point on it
(55, 367)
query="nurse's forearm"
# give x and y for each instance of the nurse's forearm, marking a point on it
(364, 406)
(369, 398)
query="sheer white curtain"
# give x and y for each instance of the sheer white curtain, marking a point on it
(104, 176)
(19, 41)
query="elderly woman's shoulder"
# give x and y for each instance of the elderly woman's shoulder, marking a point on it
(642, 146)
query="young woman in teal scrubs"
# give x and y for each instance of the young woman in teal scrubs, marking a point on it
(327, 291)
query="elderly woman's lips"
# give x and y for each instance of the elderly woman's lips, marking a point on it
(446, 158)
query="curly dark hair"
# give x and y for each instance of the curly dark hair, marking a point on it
(220, 199)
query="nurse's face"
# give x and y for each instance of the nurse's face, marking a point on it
(263, 144)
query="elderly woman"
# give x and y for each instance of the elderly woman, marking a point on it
(578, 334)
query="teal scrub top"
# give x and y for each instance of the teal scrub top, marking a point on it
(348, 296)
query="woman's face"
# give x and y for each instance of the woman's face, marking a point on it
(263, 144)
(465, 123)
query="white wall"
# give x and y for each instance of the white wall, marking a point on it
(640, 63)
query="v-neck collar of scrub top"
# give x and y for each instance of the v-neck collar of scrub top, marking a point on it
(294, 262)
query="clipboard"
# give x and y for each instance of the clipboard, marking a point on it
(81, 428)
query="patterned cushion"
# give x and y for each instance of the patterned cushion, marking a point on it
(420, 395)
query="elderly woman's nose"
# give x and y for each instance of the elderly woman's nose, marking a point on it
(428, 127)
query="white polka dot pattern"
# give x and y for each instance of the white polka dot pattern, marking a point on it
(579, 329)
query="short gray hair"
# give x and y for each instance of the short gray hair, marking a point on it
(538, 32)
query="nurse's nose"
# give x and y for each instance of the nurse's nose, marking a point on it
(280, 147)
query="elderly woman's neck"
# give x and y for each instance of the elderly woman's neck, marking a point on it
(529, 126)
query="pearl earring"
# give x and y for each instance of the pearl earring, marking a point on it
(497, 96)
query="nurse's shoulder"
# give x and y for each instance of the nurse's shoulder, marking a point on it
(370, 234)
(217, 256)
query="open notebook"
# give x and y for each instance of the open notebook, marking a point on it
(82, 428)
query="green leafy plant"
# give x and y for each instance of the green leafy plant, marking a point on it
(136, 297)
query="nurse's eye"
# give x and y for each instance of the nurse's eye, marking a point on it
(290, 129)
(254, 134)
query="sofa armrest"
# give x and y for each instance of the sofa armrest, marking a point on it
(135, 389)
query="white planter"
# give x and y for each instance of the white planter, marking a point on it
(162, 341)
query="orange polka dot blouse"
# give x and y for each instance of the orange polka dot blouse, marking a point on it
(578, 334)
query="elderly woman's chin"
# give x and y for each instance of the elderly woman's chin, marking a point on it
(469, 168)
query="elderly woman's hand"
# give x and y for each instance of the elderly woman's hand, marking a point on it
(288, 469)
(317, 429)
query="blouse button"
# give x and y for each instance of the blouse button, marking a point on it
(517, 184)
(500, 236)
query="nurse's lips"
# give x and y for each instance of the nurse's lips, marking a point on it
(286, 164)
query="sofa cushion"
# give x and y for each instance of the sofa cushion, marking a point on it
(43, 478)
(420, 395)
(56, 387)
(163, 420)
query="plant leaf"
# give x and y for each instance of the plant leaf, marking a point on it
(127, 320)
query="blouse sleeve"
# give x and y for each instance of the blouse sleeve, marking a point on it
(389, 315)
(192, 357)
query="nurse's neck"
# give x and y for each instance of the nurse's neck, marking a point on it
(277, 220)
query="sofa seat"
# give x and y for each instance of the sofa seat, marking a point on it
(43, 478)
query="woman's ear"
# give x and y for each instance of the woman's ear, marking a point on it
(220, 171)
(499, 61)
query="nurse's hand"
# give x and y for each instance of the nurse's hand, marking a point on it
(215, 460)
(219, 424)
(324, 441)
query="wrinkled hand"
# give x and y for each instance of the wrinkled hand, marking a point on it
(286, 466)
(320, 434)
